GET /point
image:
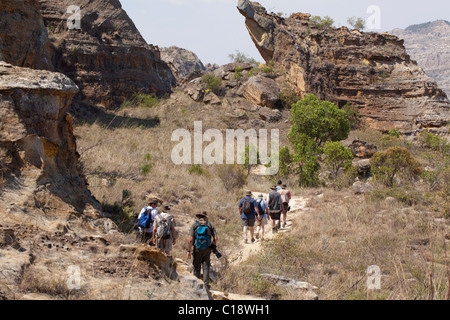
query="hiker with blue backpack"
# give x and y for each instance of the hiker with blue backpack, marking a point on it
(262, 217)
(248, 211)
(145, 221)
(203, 238)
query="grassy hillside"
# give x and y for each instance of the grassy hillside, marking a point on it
(401, 229)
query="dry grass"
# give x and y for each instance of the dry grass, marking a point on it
(340, 236)
(337, 238)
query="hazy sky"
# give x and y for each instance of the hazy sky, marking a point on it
(213, 29)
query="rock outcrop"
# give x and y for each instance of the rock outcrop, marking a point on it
(23, 35)
(39, 155)
(429, 45)
(370, 71)
(107, 57)
(182, 62)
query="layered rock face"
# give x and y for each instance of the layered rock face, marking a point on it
(370, 71)
(37, 144)
(23, 35)
(429, 45)
(107, 57)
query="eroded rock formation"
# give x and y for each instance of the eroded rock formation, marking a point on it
(107, 57)
(182, 62)
(370, 71)
(40, 159)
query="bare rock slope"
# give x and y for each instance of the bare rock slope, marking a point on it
(429, 45)
(371, 71)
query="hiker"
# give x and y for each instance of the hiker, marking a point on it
(164, 234)
(145, 221)
(202, 235)
(285, 197)
(261, 219)
(248, 212)
(275, 206)
(279, 185)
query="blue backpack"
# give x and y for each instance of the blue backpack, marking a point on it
(145, 221)
(202, 236)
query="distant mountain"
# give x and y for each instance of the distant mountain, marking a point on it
(429, 44)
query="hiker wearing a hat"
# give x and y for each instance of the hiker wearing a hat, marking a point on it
(248, 211)
(145, 221)
(275, 207)
(285, 197)
(201, 236)
(261, 219)
(164, 234)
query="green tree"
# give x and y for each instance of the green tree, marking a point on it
(357, 23)
(337, 157)
(314, 122)
(388, 164)
(322, 22)
(321, 121)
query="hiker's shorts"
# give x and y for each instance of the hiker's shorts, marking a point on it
(275, 215)
(285, 207)
(248, 222)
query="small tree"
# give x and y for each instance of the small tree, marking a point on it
(240, 57)
(392, 162)
(357, 23)
(322, 22)
(314, 123)
(337, 157)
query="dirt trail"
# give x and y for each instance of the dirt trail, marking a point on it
(244, 250)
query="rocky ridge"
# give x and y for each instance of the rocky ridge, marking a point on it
(107, 58)
(370, 71)
(429, 45)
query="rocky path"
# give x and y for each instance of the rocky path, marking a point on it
(297, 203)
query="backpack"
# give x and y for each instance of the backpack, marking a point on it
(145, 221)
(246, 206)
(202, 236)
(164, 231)
(260, 209)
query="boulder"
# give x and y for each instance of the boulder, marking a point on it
(211, 98)
(362, 149)
(261, 91)
(270, 115)
(360, 187)
(182, 62)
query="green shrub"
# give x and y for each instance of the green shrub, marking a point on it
(197, 169)
(240, 57)
(141, 100)
(212, 82)
(394, 161)
(337, 157)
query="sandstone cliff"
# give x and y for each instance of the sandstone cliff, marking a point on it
(23, 36)
(107, 58)
(429, 45)
(370, 71)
